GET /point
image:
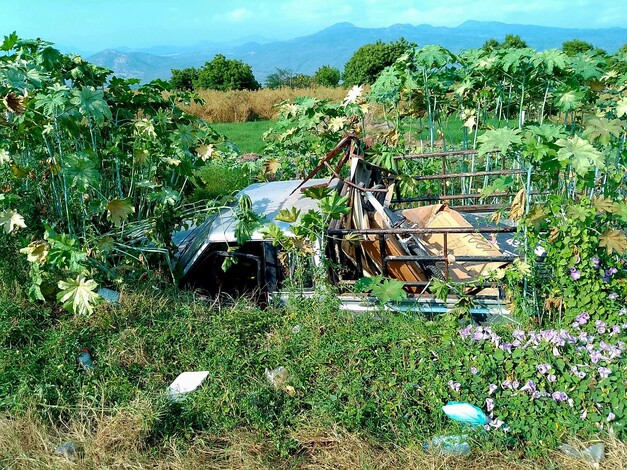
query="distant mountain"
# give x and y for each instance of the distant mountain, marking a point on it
(336, 45)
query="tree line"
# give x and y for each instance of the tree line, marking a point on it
(363, 67)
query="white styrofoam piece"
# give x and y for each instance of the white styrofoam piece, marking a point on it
(186, 382)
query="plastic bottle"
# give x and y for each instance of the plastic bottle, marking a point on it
(450, 445)
(84, 359)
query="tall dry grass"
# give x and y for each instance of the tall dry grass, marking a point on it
(246, 105)
(120, 440)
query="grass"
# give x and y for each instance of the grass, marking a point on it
(28, 442)
(247, 136)
(246, 105)
(363, 391)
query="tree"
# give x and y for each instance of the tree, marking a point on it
(184, 79)
(577, 46)
(370, 60)
(288, 79)
(327, 76)
(490, 45)
(513, 41)
(226, 74)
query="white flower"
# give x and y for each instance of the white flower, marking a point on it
(4, 157)
(352, 95)
(337, 123)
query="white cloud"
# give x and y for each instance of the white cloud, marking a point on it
(239, 14)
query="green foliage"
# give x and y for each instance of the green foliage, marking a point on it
(285, 78)
(369, 60)
(385, 376)
(327, 76)
(184, 79)
(309, 128)
(513, 41)
(86, 160)
(584, 253)
(226, 74)
(77, 295)
(576, 46)
(384, 290)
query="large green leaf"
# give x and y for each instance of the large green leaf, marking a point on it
(335, 205)
(119, 210)
(602, 129)
(77, 295)
(501, 139)
(10, 220)
(9, 41)
(568, 99)
(81, 171)
(550, 60)
(91, 103)
(432, 56)
(580, 154)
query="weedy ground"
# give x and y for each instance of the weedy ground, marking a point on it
(118, 441)
(366, 392)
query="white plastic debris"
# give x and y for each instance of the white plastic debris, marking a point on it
(277, 377)
(186, 383)
(592, 455)
(110, 296)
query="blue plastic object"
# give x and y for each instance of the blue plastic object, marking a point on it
(465, 413)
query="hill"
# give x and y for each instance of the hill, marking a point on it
(335, 46)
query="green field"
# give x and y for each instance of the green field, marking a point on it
(247, 136)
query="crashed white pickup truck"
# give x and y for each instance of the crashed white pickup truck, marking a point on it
(400, 239)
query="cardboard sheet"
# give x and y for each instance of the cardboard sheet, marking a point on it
(458, 244)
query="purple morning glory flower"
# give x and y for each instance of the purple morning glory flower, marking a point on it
(577, 372)
(454, 385)
(607, 275)
(596, 356)
(491, 389)
(559, 396)
(515, 384)
(611, 417)
(600, 326)
(506, 347)
(575, 274)
(622, 312)
(477, 335)
(465, 333)
(474, 370)
(489, 403)
(543, 368)
(519, 335)
(604, 372)
(595, 262)
(530, 387)
(551, 378)
(613, 296)
(582, 318)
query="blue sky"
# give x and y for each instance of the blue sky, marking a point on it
(93, 25)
